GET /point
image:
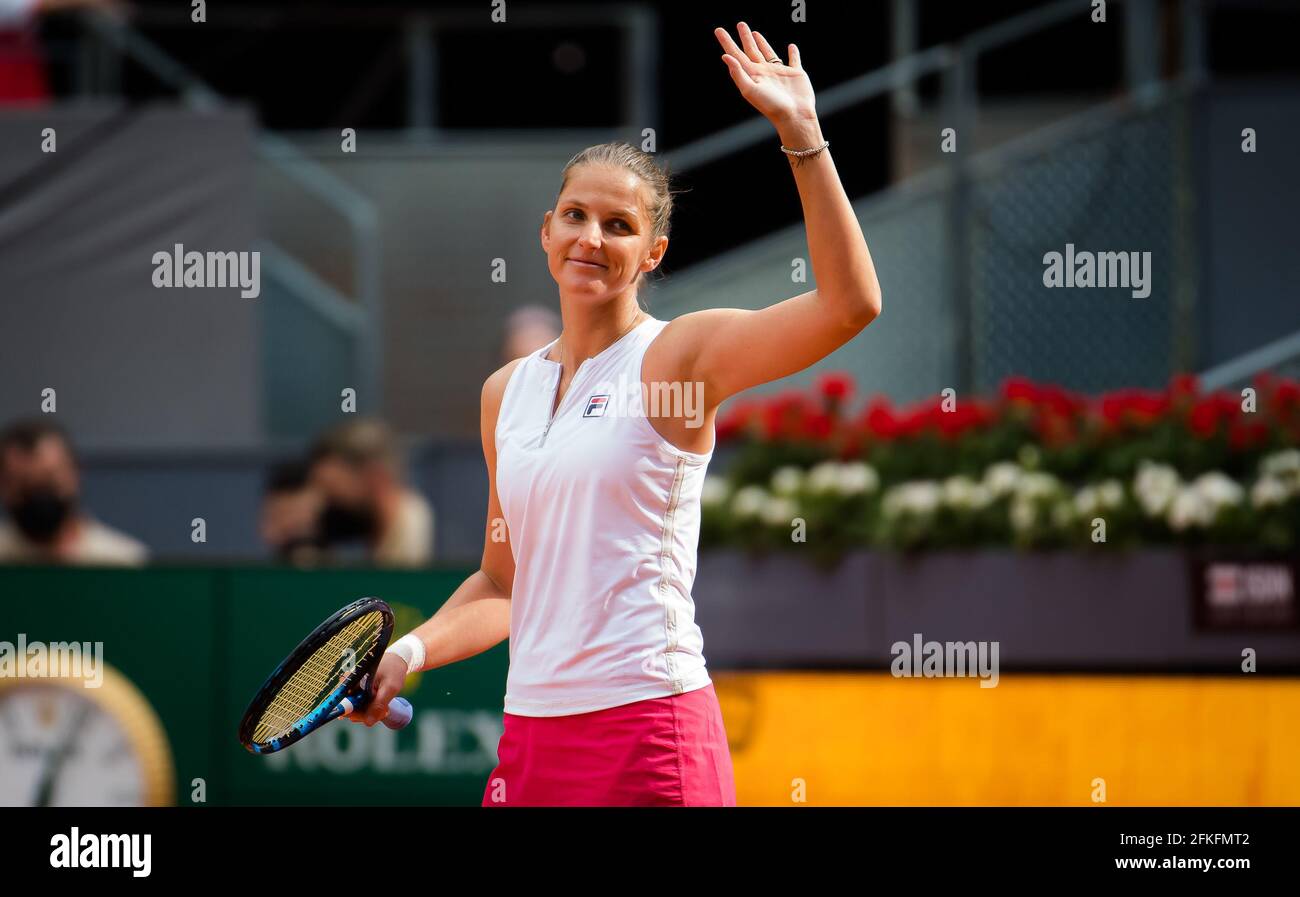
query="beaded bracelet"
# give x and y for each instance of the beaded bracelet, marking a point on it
(802, 154)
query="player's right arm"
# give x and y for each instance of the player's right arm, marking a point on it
(477, 615)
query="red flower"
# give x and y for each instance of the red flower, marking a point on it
(1286, 395)
(785, 415)
(1018, 389)
(1243, 435)
(835, 386)
(879, 420)
(1054, 430)
(1061, 403)
(915, 420)
(1029, 397)
(1183, 385)
(1209, 412)
(1264, 382)
(1133, 406)
(964, 417)
(773, 422)
(1057, 417)
(818, 425)
(735, 422)
(1112, 409)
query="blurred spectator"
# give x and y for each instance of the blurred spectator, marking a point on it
(527, 330)
(22, 64)
(357, 471)
(291, 510)
(40, 489)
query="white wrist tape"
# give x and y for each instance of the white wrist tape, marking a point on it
(410, 648)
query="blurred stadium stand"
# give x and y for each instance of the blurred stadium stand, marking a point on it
(376, 264)
(78, 230)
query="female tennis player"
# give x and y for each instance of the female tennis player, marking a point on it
(593, 515)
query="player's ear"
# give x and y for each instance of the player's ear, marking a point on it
(655, 257)
(546, 223)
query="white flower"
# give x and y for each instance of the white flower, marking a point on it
(1087, 500)
(778, 511)
(1190, 508)
(748, 501)
(1283, 466)
(823, 477)
(855, 478)
(1023, 513)
(1269, 491)
(916, 497)
(1155, 486)
(1218, 489)
(1105, 495)
(1001, 478)
(1030, 492)
(1280, 463)
(923, 497)
(980, 496)
(787, 480)
(713, 491)
(1111, 494)
(1035, 485)
(959, 492)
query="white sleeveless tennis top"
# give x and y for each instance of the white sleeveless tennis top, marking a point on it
(604, 519)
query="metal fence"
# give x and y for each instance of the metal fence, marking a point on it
(961, 262)
(1116, 182)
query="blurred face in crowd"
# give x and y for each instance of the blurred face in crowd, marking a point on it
(600, 217)
(39, 488)
(289, 518)
(349, 499)
(527, 338)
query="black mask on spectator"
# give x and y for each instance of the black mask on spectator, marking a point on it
(40, 513)
(343, 523)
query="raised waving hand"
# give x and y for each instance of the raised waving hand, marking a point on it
(779, 91)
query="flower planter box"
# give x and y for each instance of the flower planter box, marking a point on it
(779, 611)
(1086, 611)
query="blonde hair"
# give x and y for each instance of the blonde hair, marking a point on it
(620, 154)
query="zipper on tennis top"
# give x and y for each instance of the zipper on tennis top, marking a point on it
(556, 412)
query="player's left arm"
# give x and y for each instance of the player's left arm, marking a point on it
(732, 349)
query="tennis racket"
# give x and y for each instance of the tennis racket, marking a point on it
(326, 676)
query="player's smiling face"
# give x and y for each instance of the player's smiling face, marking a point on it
(598, 238)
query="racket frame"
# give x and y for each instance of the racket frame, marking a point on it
(355, 687)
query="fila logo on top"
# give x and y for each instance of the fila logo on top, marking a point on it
(596, 406)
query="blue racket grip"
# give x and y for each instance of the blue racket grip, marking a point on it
(400, 712)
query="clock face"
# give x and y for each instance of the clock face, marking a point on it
(62, 744)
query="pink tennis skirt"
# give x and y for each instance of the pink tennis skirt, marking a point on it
(665, 752)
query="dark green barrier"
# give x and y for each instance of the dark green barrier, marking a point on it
(197, 643)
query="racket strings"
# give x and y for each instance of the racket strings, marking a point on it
(319, 675)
